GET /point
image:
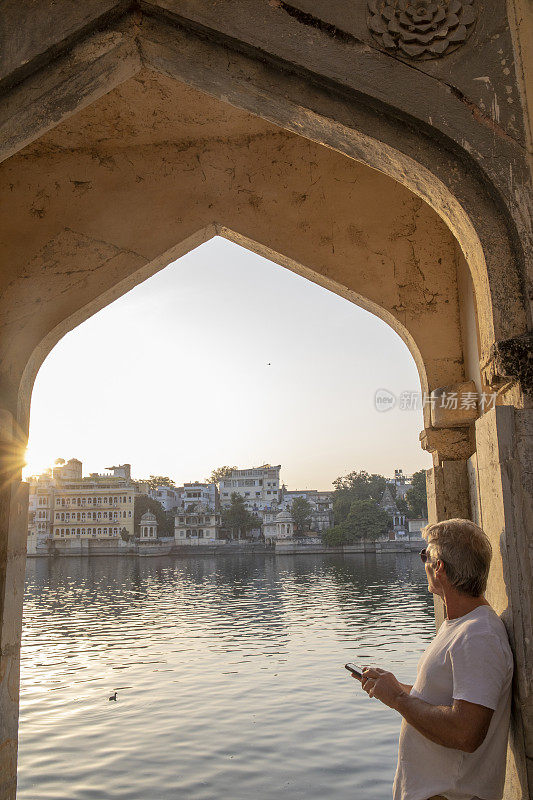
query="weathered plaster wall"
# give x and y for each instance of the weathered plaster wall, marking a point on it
(151, 164)
(430, 133)
(504, 438)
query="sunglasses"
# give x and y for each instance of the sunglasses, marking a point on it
(424, 555)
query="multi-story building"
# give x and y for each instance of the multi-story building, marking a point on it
(401, 482)
(65, 505)
(67, 471)
(258, 486)
(100, 506)
(198, 527)
(321, 506)
(168, 496)
(40, 512)
(194, 494)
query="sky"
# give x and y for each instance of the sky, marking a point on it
(224, 358)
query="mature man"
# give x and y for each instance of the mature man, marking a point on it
(453, 739)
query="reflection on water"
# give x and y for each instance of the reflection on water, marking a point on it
(229, 674)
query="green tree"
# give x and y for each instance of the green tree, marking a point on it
(402, 506)
(365, 520)
(335, 537)
(159, 480)
(301, 512)
(219, 474)
(125, 536)
(165, 520)
(238, 519)
(355, 486)
(416, 496)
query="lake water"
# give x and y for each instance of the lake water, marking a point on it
(229, 676)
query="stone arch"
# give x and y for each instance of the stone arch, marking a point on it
(349, 113)
(301, 205)
(337, 94)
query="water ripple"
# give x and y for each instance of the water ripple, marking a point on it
(228, 673)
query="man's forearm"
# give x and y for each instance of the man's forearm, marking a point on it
(437, 723)
(406, 687)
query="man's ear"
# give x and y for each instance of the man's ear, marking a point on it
(438, 567)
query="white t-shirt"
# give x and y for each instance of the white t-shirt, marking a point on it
(469, 659)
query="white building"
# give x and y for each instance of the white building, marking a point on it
(65, 505)
(148, 526)
(168, 496)
(198, 527)
(258, 486)
(401, 481)
(321, 506)
(399, 520)
(121, 471)
(416, 526)
(192, 494)
(69, 471)
(41, 500)
(269, 525)
(284, 525)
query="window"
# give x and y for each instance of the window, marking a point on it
(200, 534)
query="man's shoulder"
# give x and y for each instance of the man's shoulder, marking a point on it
(483, 631)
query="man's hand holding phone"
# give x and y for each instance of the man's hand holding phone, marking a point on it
(379, 683)
(355, 670)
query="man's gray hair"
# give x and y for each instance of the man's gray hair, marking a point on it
(465, 550)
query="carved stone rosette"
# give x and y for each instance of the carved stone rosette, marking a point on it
(421, 29)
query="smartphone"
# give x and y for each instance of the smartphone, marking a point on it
(355, 669)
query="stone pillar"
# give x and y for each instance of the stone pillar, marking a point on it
(13, 536)
(447, 482)
(504, 438)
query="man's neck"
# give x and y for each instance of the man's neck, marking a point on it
(457, 604)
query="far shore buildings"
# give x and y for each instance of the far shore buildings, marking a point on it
(64, 505)
(259, 486)
(388, 504)
(148, 526)
(321, 506)
(199, 527)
